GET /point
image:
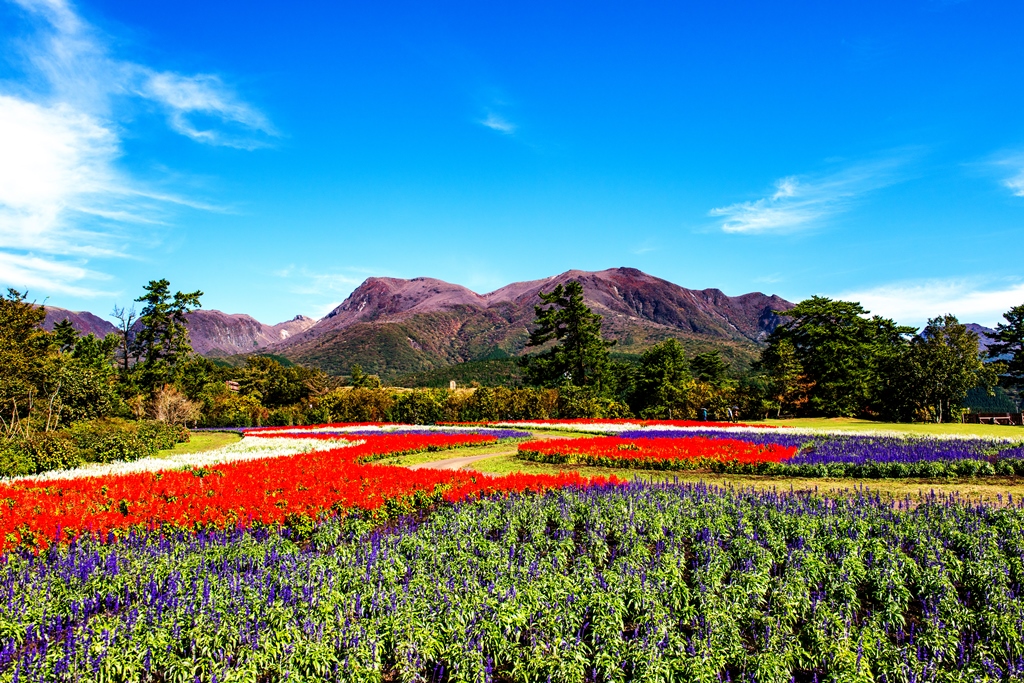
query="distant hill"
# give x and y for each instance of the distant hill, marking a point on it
(83, 321)
(395, 327)
(983, 341)
(426, 331)
(212, 332)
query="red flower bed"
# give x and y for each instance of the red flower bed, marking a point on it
(267, 491)
(620, 421)
(672, 454)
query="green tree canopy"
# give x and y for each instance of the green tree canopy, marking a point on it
(1008, 340)
(709, 367)
(25, 353)
(786, 387)
(841, 352)
(949, 365)
(661, 378)
(580, 355)
(161, 340)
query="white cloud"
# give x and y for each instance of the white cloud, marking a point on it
(205, 94)
(1015, 182)
(496, 122)
(802, 203)
(912, 303)
(44, 276)
(307, 282)
(63, 195)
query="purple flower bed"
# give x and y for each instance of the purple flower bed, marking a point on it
(765, 438)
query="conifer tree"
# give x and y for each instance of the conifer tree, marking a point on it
(580, 355)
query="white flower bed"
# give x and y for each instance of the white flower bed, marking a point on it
(249, 448)
(594, 428)
(383, 429)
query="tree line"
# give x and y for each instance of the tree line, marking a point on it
(827, 357)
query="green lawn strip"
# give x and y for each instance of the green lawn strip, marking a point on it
(847, 424)
(201, 442)
(987, 488)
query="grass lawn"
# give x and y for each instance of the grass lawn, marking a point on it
(849, 424)
(200, 443)
(978, 488)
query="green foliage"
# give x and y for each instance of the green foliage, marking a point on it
(102, 440)
(785, 386)
(26, 352)
(580, 355)
(361, 380)
(161, 340)
(228, 409)
(660, 381)
(1008, 340)
(948, 366)
(429, 406)
(38, 453)
(494, 372)
(839, 351)
(275, 385)
(709, 367)
(112, 439)
(632, 583)
(980, 400)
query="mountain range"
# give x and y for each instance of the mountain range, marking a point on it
(392, 326)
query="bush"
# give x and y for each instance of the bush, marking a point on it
(114, 439)
(39, 453)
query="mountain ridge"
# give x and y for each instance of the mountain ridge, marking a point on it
(393, 325)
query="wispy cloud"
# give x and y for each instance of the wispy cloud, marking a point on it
(805, 202)
(308, 282)
(645, 247)
(323, 292)
(1012, 168)
(498, 123)
(64, 198)
(912, 303)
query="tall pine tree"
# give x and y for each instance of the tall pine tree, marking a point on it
(580, 356)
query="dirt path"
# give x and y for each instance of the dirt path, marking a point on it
(457, 463)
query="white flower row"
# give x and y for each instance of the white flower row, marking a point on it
(383, 429)
(588, 428)
(249, 448)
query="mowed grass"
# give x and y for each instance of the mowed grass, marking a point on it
(988, 489)
(200, 443)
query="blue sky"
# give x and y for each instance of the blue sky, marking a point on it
(275, 155)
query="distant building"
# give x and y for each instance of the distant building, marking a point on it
(451, 385)
(232, 385)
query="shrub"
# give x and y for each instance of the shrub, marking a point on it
(114, 439)
(39, 453)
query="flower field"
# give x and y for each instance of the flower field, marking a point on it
(293, 556)
(751, 450)
(691, 452)
(610, 583)
(290, 489)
